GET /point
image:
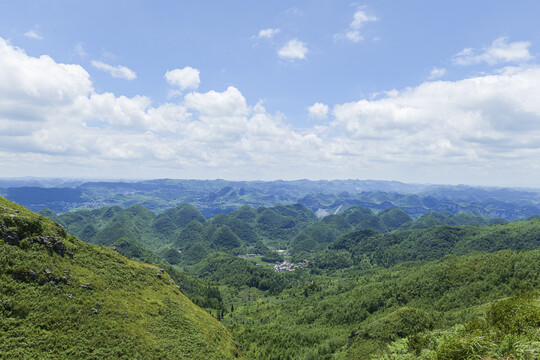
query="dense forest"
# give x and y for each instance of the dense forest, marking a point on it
(358, 284)
(366, 284)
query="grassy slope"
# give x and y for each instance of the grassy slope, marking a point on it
(130, 312)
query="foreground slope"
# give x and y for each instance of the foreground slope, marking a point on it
(63, 298)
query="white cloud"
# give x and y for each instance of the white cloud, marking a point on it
(500, 51)
(437, 73)
(186, 78)
(79, 50)
(118, 71)
(475, 130)
(294, 11)
(484, 121)
(33, 34)
(318, 111)
(229, 103)
(38, 81)
(360, 18)
(51, 114)
(353, 35)
(268, 33)
(293, 49)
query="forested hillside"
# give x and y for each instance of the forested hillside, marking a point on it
(62, 298)
(183, 236)
(358, 314)
(357, 284)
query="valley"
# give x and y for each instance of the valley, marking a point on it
(359, 283)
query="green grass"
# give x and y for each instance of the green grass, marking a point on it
(131, 312)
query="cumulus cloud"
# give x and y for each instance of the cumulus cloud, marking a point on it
(318, 111)
(38, 81)
(436, 73)
(186, 78)
(118, 71)
(471, 122)
(293, 49)
(229, 103)
(268, 33)
(472, 130)
(50, 113)
(500, 51)
(360, 18)
(33, 34)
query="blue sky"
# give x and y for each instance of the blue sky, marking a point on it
(417, 91)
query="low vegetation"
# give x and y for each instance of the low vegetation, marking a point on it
(62, 298)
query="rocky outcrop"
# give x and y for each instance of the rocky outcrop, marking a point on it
(10, 237)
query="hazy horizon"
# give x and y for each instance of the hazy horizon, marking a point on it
(107, 179)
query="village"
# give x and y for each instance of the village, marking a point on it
(278, 266)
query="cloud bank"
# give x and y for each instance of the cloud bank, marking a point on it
(55, 122)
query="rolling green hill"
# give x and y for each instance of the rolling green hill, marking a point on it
(182, 236)
(62, 298)
(375, 285)
(173, 233)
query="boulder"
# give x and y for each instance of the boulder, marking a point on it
(87, 286)
(10, 237)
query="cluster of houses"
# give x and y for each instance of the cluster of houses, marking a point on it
(279, 266)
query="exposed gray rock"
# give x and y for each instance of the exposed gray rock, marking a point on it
(10, 237)
(87, 286)
(32, 275)
(59, 248)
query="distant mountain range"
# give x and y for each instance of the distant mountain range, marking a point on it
(212, 197)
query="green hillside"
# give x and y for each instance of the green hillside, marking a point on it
(365, 285)
(440, 308)
(182, 237)
(181, 234)
(61, 298)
